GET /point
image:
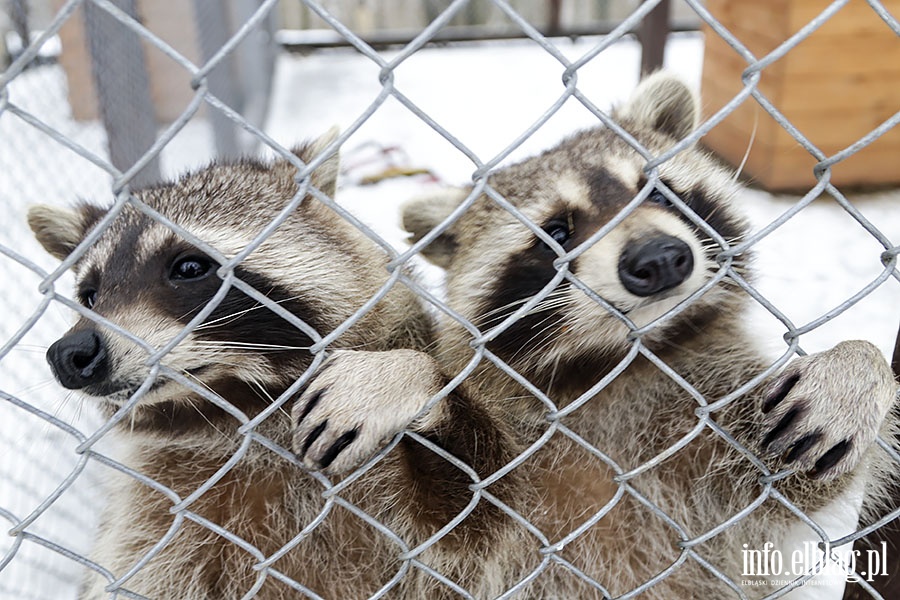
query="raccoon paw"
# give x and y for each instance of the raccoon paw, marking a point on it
(826, 409)
(357, 402)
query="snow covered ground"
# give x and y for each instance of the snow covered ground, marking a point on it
(485, 96)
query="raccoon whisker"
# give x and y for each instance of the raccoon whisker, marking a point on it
(504, 311)
(500, 309)
(193, 404)
(246, 344)
(59, 403)
(711, 247)
(498, 314)
(79, 406)
(729, 240)
(540, 347)
(536, 344)
(557, 298)
(545, 306)
(737, 239)
(263, 393)
(443, 354)
(740, 168)
(539, 336)
(544, 320)
(205, 357)
(737, 266)
(428, 348)
(225, 345)
(524, 346)
(260, 391)
(200, 306)
(229, 318)
(30, 348)
(236, 352)
(553, 371)
(551, 302)
(39, 385)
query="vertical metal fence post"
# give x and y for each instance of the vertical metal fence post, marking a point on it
(213, 30)
(123, 89)
(554, 10)
(254, 62)
(652, 34)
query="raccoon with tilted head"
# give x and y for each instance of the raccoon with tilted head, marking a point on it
(230, 512)
(639, 375)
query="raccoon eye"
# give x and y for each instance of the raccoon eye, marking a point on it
(190, 267)
(559, 230)
(88, 297)
(660, 199)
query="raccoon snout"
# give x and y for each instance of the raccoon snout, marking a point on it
(78, 359)
(656, 265)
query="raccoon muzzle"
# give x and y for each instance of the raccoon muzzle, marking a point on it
(79, 359)
(656, 265)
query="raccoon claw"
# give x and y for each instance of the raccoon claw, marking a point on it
(327, 447)
(779, 391)
(820, 420)
(357, 402)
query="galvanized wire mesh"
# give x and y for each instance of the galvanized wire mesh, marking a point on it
(73, 441)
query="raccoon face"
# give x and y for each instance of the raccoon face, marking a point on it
(149, 281)
(153, 293)
(628, 266)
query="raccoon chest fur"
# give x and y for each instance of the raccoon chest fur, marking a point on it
(251, 513)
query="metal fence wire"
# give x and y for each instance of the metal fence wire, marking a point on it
(52, 523)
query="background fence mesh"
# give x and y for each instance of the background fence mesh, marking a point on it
(51, 486)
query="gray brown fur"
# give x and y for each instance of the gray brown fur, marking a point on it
(176, 439)
(834, 400)
(322, 269)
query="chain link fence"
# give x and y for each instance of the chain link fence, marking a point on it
(59, 451)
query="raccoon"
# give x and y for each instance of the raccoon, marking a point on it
(205, 500)
(641, 403)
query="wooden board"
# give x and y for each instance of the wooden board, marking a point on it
(835, 87)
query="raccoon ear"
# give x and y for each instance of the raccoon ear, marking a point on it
(59, 230)
(325, 176)
(422, 214)
(664, 103)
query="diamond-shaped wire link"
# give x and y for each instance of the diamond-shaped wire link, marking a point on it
(413, 556)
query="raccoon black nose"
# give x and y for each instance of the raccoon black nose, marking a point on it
(656, 265)
(78, 359)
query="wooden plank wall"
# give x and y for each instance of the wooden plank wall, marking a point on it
(835, 87)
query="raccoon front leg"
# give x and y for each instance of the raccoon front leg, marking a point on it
(357, 402)
(823, 413)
